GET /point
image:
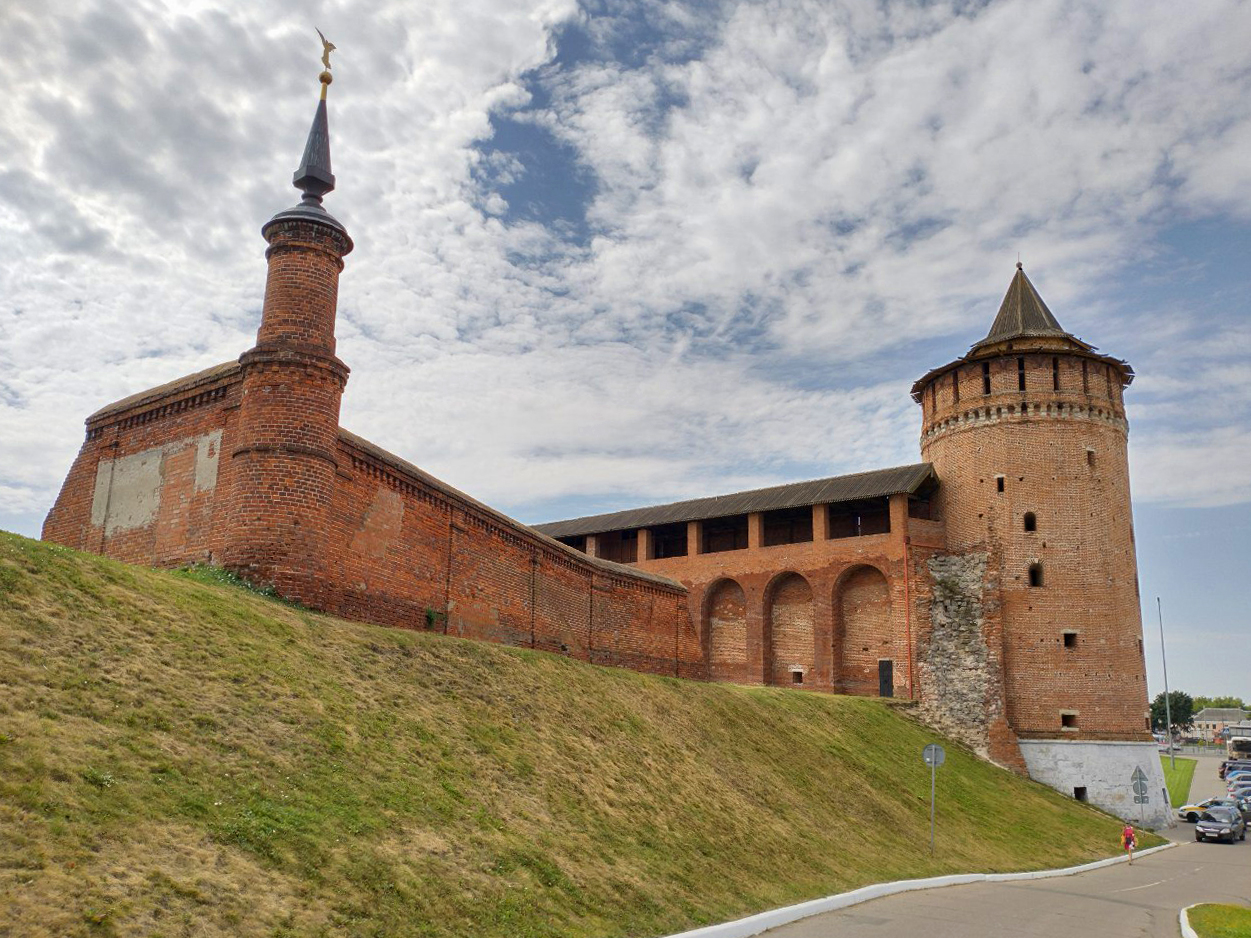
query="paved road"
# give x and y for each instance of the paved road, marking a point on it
(1115, 902)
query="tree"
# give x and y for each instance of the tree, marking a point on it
(1231, 703)
(1181, 707)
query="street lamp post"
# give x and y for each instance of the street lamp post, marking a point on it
(1168, 710)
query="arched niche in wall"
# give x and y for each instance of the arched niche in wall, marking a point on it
(864, 633)
(725, 611)
(790, 651)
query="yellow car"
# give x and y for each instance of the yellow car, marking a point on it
(1191, 812)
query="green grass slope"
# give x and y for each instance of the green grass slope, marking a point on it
(179, 757)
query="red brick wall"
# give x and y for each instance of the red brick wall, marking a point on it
(1062, 456)
(403, 549)
(136, 473)
(745, 645)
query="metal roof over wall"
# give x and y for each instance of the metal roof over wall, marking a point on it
(859, 485)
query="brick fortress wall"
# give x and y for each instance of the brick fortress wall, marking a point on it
(246, 465)
(150, 486)
(149, 481)
(820, 614)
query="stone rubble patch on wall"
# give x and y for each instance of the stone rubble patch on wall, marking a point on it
(955, 670)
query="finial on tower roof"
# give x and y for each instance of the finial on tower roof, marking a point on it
(325, 77)
(313, 177)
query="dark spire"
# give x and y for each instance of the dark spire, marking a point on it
(1023, 314)
(314, 177)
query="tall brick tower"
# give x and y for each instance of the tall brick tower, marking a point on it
(284, 463)
(1028, 436)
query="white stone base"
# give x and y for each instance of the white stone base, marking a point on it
(1105, 770)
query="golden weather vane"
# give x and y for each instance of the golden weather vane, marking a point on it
(326, 48)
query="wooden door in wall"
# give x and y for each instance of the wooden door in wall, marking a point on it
(886, 679)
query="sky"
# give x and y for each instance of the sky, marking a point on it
(611, 254)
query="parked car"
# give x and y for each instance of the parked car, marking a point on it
(1232, 765)
(1220, 823)
(1191, 812)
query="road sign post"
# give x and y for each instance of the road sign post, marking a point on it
(934, 756)
(1139, 782)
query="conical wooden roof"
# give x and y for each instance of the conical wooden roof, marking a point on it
(1022, 314)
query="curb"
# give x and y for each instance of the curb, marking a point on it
(763, 921)
(1184, 920)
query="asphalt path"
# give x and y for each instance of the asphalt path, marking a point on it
(1113, 902)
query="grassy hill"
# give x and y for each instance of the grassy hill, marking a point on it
(183, 757)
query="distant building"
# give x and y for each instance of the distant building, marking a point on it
(1210, 722)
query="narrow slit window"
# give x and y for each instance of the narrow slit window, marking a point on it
(1055, 374)
(1108, 373)
(1085, 377)
(955, 386)
(999, 483)
(985, 377)
(1090, 458)
(1020, 374)
(1035, 575)
(1031, 522)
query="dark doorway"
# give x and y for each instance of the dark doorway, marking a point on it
(886, 679)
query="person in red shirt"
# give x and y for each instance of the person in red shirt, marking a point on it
(1129, 841)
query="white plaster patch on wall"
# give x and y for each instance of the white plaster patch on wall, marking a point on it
(133, 493)
(208, 448)
(1105, 771)
(100, 495)
(127, 493)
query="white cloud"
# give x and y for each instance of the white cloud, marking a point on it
(797, 207)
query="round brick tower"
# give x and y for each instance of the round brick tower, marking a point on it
(1028, 437)
(288, 424)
